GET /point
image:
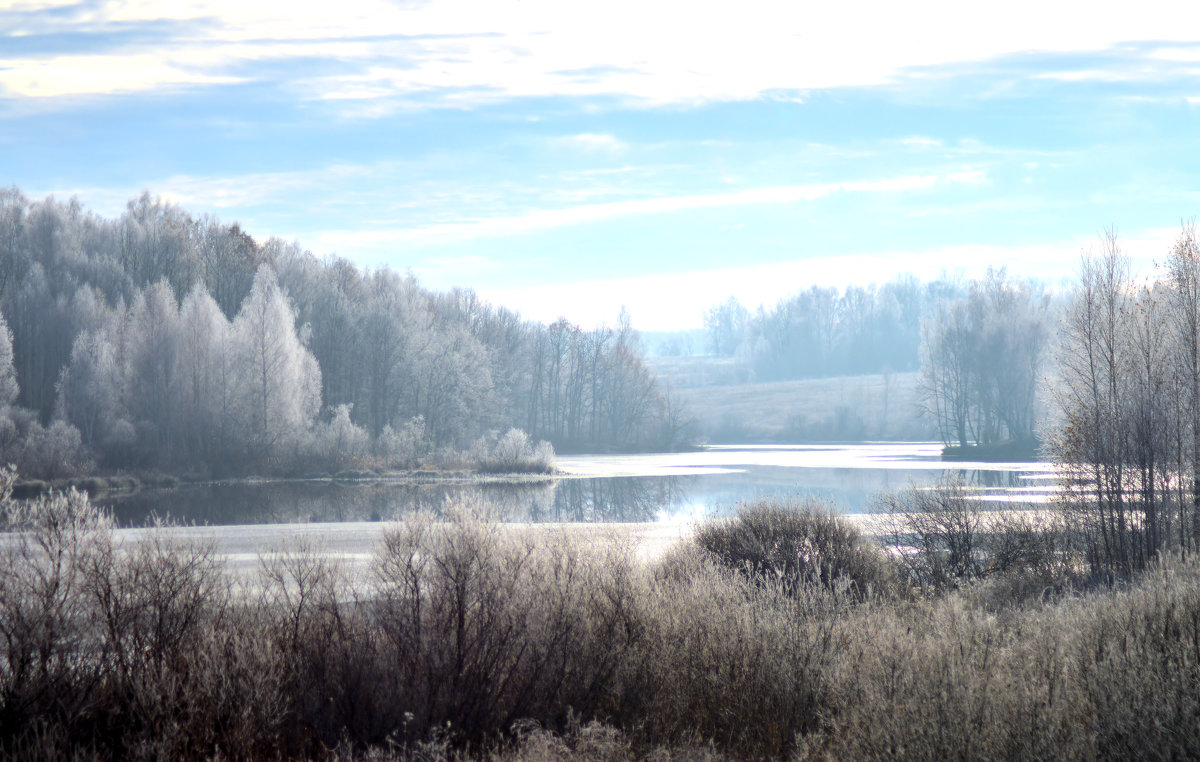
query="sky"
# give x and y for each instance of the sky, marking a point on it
(571, 158)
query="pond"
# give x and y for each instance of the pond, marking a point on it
(603, 488)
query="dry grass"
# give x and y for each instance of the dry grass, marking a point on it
(817, 409)
(473, 642)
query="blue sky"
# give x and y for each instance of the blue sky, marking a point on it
(571, 158)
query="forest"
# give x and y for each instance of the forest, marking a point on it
(826, 332)
(980, 349)
(160, 340)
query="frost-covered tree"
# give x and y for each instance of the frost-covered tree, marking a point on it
(449, 385)
(395, 320)
(152, 386)
(9, 436)
(279, 379)
(205, 376)
(89, 394)
(725, 324)
(8, 372)
(226, 381)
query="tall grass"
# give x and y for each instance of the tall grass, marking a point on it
(472, 641)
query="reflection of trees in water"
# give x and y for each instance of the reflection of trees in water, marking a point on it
(991, 479)
(601, 499)
(613, 499)
(299, 502)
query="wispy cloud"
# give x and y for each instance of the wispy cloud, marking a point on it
(543, 219)
(464, 51)
(86, 75)
(592, 142)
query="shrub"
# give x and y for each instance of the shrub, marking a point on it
(798, 543)
(511, 453)
(124, 483)
(54, 452)
(938, 533)
(338, 443)
(93, 485)
(945, 540)
(725, 659)
(43, 614)
(29, 488)
(403, 448)
(481, 628)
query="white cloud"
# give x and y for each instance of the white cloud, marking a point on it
(663, 52)
(79, 75)
(544, 219)
(917, 141)
(1189, 54)
(592, 142)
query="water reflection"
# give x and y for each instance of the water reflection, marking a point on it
(568, 500)
(991, 479)
(616, 499)
(603, 489)
(313, 502)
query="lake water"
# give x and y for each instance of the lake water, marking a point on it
(605, 488)
(651, 501)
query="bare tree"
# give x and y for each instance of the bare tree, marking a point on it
(981, 363)
(1183, 267)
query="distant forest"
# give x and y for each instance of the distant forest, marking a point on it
(161, 340)
(824, 331)
(979, 347)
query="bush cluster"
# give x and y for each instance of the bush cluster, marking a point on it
(511, 453)
(466, 639)
(944, 540)
(798, 544)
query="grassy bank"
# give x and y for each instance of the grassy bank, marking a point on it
(817, 409)
(781, 634)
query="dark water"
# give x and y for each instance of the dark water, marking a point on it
(565, 500)
(638, 488)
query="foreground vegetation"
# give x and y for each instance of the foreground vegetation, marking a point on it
(782, 633)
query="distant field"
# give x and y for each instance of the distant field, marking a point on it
(820, 409)
(688, 372)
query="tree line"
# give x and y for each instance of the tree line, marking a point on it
(1107, 376)
(162, 340)
(822, 332)
(979, 346)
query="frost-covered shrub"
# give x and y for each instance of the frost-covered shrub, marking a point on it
(798, 544)
(511, 447)
(55, 451)
(339, 442)
(43, 452)
(403, 447)
(513, 452)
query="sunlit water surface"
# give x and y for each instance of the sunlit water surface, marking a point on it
(653, 497)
